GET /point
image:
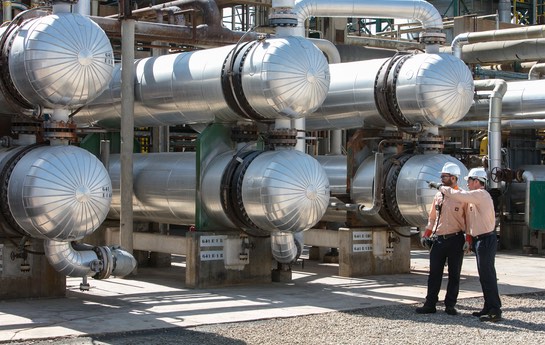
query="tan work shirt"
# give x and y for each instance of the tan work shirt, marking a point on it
(481, 217)
(452, 217)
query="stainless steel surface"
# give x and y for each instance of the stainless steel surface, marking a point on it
(211, 188)
(414, 197)
(434, 89)
(523, 100)
(408, 182)
(59, 193)
(285, 190)
(430, 89)
(80, 260)
(68, 261)
(419, 10)
(164, 187)
(187, 88)
(281, 190)
(60, 60)
(283, 247)
(335, 168)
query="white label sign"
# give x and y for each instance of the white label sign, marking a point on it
(362, 236)
(212, 241)
(211, 255)
(364, 247)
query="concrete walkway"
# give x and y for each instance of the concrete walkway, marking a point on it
(157, 298)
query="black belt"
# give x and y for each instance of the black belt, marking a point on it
(447, 236)
(478, 237)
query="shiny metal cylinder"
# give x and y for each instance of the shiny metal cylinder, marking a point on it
(60, 193)
(414, 197)
(406, 195)
(285, 191)
(427, 89)
(267, 82)
(522, 100)
(272, 191)
(211, 187)
(164, 187)
(335, 168)
(60, 60)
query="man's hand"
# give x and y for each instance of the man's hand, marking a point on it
(435, 185)
(468, 245)
(424, 239)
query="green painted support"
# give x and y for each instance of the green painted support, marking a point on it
(214, 140)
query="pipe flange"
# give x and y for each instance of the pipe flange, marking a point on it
(433, 37)
(519, 175)
(21, 125)
(60, 130)
(385, 91)
(104, 254)
(282, 137)
(231, 193)
(390, 209)
(231, 82)
(7, 87)
(431, 143)
(283, 17)
(244, 134)
(5, 175)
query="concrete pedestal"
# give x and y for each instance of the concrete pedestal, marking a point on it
(208, 265)
(30, 278)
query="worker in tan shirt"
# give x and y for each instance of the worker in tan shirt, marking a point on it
(481, 223)
(446, 225)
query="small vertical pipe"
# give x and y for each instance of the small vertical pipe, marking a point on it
(6, 10)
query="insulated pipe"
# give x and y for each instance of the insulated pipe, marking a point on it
(522, 100)
(494, 52)
(498, 88)
(262, 82)
(258, 191)
(402, 188)
(328, 48)
(76, 260)
(419, 10)
(283, 247)
(405, 90)
(513, 34)
(537, 71)
(82, 7)
(505, 124)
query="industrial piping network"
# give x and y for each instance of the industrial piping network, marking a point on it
(258, 91)
(244, 82)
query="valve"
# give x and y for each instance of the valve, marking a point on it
(498, 174)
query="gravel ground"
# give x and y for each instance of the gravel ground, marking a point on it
(524, 323)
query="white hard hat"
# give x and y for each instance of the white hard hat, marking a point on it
(451, 168)
(478, 173)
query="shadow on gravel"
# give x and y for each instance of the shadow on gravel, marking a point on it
(465, 307)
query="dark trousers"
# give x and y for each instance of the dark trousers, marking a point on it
(485, 251)
(448, 251)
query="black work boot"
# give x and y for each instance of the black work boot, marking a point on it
(451, 311)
